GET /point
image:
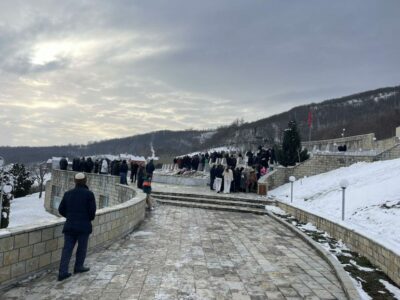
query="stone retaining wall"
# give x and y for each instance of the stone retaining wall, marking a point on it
(386, 143)
(391, 153)
(106, 188)
(379, 255)
(364, 141)
(26, 250)
(180, 180)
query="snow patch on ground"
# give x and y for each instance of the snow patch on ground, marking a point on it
(391, 288)
(372, 199)
(361, 292)
(354, 263)
(308, 227)
(142, 233)
(276, 210)
(29, 210)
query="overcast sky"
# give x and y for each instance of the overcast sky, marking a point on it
(79, 71)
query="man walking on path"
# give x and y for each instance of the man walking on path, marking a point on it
(78, 206)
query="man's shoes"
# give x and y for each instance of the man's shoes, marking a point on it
(81, 270)
(61, 277)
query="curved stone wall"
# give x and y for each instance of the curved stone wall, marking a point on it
(385, 259)
(29, 249)
(180, 180)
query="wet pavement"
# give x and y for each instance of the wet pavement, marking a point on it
(190, 253)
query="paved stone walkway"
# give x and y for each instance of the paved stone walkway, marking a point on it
(189, 253)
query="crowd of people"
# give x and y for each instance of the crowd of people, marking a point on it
(230, 171)
(139, 172)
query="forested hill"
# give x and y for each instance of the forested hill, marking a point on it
(375, 111)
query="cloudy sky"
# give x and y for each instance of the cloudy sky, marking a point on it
(79, 71)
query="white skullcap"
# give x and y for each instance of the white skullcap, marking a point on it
(80, 176)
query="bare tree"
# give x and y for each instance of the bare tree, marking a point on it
(39, 171)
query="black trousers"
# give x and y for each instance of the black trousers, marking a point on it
(69, 243)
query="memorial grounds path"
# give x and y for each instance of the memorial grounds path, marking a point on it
(191, 253)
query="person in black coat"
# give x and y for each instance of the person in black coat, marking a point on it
(96, 166)
(134, 169)
(123, 173)
(75, 164)
(82, 164)
(140, 176)
(89, 165)
(63, 163)
(78, 206)
(213, 172)
(150, 168)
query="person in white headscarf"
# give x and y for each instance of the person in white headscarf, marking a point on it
(228, 178)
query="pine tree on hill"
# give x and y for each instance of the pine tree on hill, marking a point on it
(291, 152)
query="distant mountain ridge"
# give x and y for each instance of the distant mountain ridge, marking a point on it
(376, 111)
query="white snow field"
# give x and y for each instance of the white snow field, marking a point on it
(29, 210)
(372, 199)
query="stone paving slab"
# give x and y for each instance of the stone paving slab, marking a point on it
(191, 253)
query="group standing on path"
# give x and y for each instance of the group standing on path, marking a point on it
(140, 172)
(230, 171)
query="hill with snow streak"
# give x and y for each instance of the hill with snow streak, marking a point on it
(372, 199)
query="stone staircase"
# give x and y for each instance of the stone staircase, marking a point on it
(217, 202)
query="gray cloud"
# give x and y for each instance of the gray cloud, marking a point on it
(78, 71)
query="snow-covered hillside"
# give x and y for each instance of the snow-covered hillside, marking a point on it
(372, 199)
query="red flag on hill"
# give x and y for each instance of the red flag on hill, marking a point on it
(309, 121)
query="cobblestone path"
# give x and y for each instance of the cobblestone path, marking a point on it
(189, 253)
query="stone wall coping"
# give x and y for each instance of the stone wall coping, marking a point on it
(91, 174)
(342, 226)
(7, 232)
(344, 279)
(347, 138)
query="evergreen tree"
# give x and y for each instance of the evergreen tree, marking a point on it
(22, 180)
(291, 152)
(6, 185)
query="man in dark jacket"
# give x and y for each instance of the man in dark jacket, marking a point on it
(213, 172)
(78, 206)
(150, 168)
(63, 163)
(134, 169)
(123, 172)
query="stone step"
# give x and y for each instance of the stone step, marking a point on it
(213, 206)
(217, 196)
(210, 200)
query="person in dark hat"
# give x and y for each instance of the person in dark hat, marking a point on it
(78, 206)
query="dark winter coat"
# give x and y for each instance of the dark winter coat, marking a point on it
(82, 165)
(63, 163)
(123, 168)
(78, 206)
(96, 166)
(75, 164)
(150, 168)
(140, 175)
(89, 165)
(134, 168)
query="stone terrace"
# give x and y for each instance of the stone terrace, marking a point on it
(189, 253)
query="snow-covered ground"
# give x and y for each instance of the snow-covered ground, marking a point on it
(216, 149)
(372, 199)
(29, 210)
